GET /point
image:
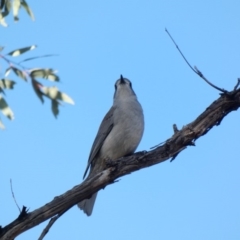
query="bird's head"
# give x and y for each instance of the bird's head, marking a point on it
(123, 88)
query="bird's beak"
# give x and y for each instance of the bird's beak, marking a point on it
(122, 81)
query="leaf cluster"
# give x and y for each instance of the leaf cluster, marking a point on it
(7, 5)
(32, 75)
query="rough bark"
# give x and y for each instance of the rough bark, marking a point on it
(212, 116)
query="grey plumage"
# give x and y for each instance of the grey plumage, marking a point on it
(118, 135)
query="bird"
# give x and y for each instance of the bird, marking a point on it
(119, 134)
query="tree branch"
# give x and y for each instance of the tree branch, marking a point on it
(211, 117)
(14, 196)
(195, 69)
(51, 222)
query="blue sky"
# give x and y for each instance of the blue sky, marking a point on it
(194, 197)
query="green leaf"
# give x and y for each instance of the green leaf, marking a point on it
(1, 125)
(54, 94)
(51, 92)
(2, 91)
(46, 73)
(6, 83)
(37, 89)
(8, 70)
(4, 14)
(1, 48)
(2, 20)
(6, 110)
(20, 51)
(28, 9)
(16, 7)
(20, 73)
(65, 98)
(8, 6)
(2, 4)
(55, 109)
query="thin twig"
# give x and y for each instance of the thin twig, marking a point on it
(14, 196)
(50, 223)
(199, 73)
(159, 144)
(180, 50)
(4, 58)
(238, 82)
(175, 129)
(195, 68)
(11, 62)
(43, 56)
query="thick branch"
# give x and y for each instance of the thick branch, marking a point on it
(212, 116)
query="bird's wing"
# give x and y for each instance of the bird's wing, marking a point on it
(103, 131)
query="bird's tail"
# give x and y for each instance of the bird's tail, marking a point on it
(87, 204)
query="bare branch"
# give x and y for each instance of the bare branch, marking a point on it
(50, 223)
(207, 81)
(175, 129)
(195, 68)
(181, 139)
(238, 82)
(14, 196)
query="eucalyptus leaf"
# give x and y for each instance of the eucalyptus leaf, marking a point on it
(54, 94)
(2, 91)
(2, 20)
(65, 98)
(7, 8)
(6, 83)
(1, 125)
(8, 5)
(2, 4)
(28, 9)
(37, 86)
(55, 108)
(20, 51)
(51, 92)
(6, 110)
(19, 73)
(46, 73)
(16, 7)
(8, 70)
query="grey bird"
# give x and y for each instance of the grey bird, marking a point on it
(119, 134)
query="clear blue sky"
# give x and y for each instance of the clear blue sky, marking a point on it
(195, 197)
